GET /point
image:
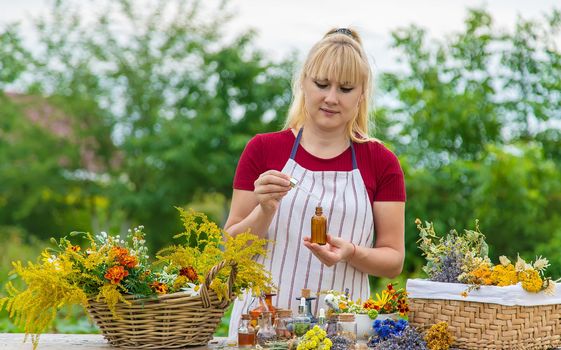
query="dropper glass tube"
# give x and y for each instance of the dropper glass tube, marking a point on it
(294, 184)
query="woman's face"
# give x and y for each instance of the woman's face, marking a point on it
(331, 104)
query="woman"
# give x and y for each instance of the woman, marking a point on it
(359, 182)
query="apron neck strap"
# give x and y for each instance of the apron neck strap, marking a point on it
(297, 142)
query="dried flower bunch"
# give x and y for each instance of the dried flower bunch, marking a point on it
(446, 255)
(409, 338)
(530, 275)
(397, 335)
(439, 337)
(315, 339)
(111, 268)
(387, 328)
(463, 258)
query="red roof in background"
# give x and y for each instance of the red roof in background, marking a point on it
(40, 112)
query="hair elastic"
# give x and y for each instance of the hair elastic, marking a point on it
(345, 31)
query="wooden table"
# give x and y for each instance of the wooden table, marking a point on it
(14, 341)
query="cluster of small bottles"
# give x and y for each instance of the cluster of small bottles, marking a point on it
(265, 324)
(274, 325)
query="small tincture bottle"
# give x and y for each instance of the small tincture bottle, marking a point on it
(302, 322)
(259, 304)
(246, 333)
(346, 327)
(322, 320)
(266, 332)
(319, 227)
(283, 324)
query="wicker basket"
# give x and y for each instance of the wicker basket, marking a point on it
(480, 325)
(169, 321)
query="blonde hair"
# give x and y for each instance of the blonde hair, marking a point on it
(338, 56)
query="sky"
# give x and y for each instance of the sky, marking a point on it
(295, 25)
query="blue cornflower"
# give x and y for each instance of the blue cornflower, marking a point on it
(388, 327)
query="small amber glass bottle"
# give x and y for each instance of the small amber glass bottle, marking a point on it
(319, 227)
(246, 333)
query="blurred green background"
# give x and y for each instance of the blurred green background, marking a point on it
(112, 120)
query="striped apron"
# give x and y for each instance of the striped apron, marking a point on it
(348, 210)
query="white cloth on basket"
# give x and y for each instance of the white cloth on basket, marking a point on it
(508, 296)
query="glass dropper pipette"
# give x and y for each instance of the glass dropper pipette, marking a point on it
(294, 184)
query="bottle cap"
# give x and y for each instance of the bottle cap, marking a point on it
(306, 292)
(293, 182)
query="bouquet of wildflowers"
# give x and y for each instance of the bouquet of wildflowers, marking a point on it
(66, 274)
(391, 300)
(446, 255)
(339, 302)
(457, 258)
(112, 267)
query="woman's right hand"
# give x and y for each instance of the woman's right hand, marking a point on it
(270, 187)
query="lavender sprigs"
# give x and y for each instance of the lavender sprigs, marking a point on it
(447, 256)
(341, 343)
(451, 264)
(409, 339)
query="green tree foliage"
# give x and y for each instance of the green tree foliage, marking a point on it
(13, 56)
(162, 103)
(478, 131)
(34, 193)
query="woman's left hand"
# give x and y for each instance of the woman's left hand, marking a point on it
(336, 250)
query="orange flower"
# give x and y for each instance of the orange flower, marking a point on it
(74, 248)
(369, 304)
(116, 274)
(189, 272)
(482, 275)
(119, 252)
(402, 306)
(390, 288)
(388, 308)
(128, 261)
(159, 287)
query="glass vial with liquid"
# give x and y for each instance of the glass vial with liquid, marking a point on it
(319, 227)
(346, 327)
(322, 320)
(266, 332)
(246, 333)
(283, 324)
(301, 323)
